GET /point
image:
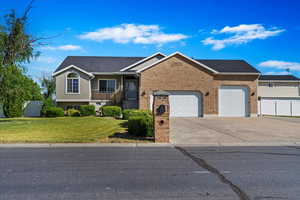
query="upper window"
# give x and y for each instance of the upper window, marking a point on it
(107, 86)
(73, 83)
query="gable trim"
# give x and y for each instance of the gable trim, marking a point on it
(178, 53)
(72, 66)
(143, 60)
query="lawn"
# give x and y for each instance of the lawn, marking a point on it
(65, 130)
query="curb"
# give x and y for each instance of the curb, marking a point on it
(241, 144)
(70, 145)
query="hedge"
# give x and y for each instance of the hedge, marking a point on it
(134, 112)
(112, 111)
(87, 110)
(47, 103)
(141, 126)
(54, 112)
(73, 113)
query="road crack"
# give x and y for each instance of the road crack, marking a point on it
(202, 163)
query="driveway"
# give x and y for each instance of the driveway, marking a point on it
(234, 130)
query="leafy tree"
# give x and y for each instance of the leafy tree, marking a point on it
(48, 86)
(16, 48)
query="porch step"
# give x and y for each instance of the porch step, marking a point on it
(130, 104)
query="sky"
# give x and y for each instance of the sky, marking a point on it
(265, 33)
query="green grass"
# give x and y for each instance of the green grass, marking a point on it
(64, 130)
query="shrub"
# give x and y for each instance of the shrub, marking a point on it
(127, 113)
(13, 108)
(54, 112)
(141, 126)
(73, 113)
(112, 111)
(47, 103)
(87, 110)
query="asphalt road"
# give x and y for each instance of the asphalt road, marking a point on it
(259, 173)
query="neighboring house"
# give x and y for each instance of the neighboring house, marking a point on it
(279, 95)
(197, 87)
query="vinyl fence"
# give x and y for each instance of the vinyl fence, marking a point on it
(279, 107)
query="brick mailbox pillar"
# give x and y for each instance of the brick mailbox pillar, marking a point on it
(161, 114)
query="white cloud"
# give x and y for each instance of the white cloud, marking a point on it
(283, 65)
(46, 59)
(68, 47)
(277, 73)
(132, 33)
(242, 34)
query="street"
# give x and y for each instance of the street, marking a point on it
(256, 173)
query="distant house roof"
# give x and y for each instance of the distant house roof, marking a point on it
(278, 78)
(229, 66)
(99, 63)
(107, 64)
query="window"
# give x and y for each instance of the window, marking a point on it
(107, 86)
(73, 83)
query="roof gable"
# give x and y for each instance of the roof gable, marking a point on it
(182, 55)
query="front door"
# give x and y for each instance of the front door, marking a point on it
(131, 89)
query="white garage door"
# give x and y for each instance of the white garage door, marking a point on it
(184, 104)
(233, 101)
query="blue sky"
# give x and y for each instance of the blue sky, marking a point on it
(265, 33)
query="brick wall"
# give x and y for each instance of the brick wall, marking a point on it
(178, 73)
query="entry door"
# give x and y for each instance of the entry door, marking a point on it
(233, 101)
(131, 89)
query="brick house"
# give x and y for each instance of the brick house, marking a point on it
(198, 87)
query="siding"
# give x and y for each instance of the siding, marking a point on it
(281, 89)
(61, 86)
(147, 63)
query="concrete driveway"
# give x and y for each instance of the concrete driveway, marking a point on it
(222, 131)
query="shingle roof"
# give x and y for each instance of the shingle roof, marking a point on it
(99, 63)
(115, 64)
(279, 78)
(229, 66)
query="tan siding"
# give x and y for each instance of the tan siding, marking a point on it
(278, 89)
(61, 86)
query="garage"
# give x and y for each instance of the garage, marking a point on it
(233, 101)
(279, 106)
(184, 104)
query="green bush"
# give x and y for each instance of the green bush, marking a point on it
(73, 113)
(87, 110)
(47, 103)
(112, 111)
(13, 108)
(127, 113)
(54, 112)
(141, 126)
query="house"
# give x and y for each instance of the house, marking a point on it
(198, 87)
(279, 95)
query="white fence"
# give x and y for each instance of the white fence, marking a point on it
(279, 106)
(1, 111)
(31, 109)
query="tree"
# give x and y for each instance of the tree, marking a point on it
(16, 48)
(48, 86)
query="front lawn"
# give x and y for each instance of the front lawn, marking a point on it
(65, 130)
